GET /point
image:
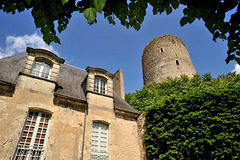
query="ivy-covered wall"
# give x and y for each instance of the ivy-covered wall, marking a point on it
(194, 118)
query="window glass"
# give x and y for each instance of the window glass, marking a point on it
(100, 85)
(32, 141)
(99, 149)
(41, 68)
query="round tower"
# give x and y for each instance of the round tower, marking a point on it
(164, 57)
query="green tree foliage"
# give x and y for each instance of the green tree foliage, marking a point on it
(194, 118)
(131, 14)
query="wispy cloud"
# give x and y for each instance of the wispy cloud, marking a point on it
(18, 44)
(236, 69)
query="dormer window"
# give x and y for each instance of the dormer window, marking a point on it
(100, 85)
(41, 68)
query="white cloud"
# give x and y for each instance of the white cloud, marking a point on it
(236, 69)
(18, 44)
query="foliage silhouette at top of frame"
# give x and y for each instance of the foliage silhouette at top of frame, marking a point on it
(131, 14)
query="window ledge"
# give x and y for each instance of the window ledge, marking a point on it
(33, 76)
(106, 95)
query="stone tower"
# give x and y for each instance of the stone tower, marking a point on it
(164, 57)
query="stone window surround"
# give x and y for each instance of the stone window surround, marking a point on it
(104, 123)
(46, 56)
(98, 86)
(31, 150)
(99, 72)
(41, 64)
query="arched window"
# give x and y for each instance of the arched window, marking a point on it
(99, 149)
(100, 85)
(33, 137)
(41, 68)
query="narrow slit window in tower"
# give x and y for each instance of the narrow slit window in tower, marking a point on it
(177, 62)
(161, 50)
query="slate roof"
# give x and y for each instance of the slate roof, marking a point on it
(71, 80)
(11, 66)
(121, 104)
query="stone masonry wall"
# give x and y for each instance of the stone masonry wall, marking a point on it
(64, 139)
(122, 133)
(164, 57)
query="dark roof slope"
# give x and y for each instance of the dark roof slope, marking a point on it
(70, 79)
(11, 66)
(121, 104)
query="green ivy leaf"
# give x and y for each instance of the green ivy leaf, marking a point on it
(90, 14)
(64, 1)
(99, 4)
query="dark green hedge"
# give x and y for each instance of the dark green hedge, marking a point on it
(191, 118)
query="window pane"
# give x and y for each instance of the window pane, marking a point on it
(100, 85)
(36, 68)
(41, 69)
(96, 84)
(32, 140)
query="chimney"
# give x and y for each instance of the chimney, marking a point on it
(118, 84)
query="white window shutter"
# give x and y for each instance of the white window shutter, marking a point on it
(99, 150)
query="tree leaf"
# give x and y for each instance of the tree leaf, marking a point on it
(175, 4)
(185, 11)
(46, 39)
(44, 30)
(90, 14)
(99, 4)
(64, 1)
(28, 2)
(238, 53)
(56, 39)
(183, 21)
(237, 60)
(155, 11)
(169, 10)
(229, 58)
(40, 22)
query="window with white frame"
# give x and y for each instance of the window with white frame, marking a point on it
(99, 148)
(100, 85)
(41, 68)
(33, 137)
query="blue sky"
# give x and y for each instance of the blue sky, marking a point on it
(114, 47)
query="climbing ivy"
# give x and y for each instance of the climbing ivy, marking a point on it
(194, 118)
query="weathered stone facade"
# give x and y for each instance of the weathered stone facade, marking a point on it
(164, 57)
(68, 96)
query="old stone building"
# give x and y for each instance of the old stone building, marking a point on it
(53, 111)
(166, 56)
